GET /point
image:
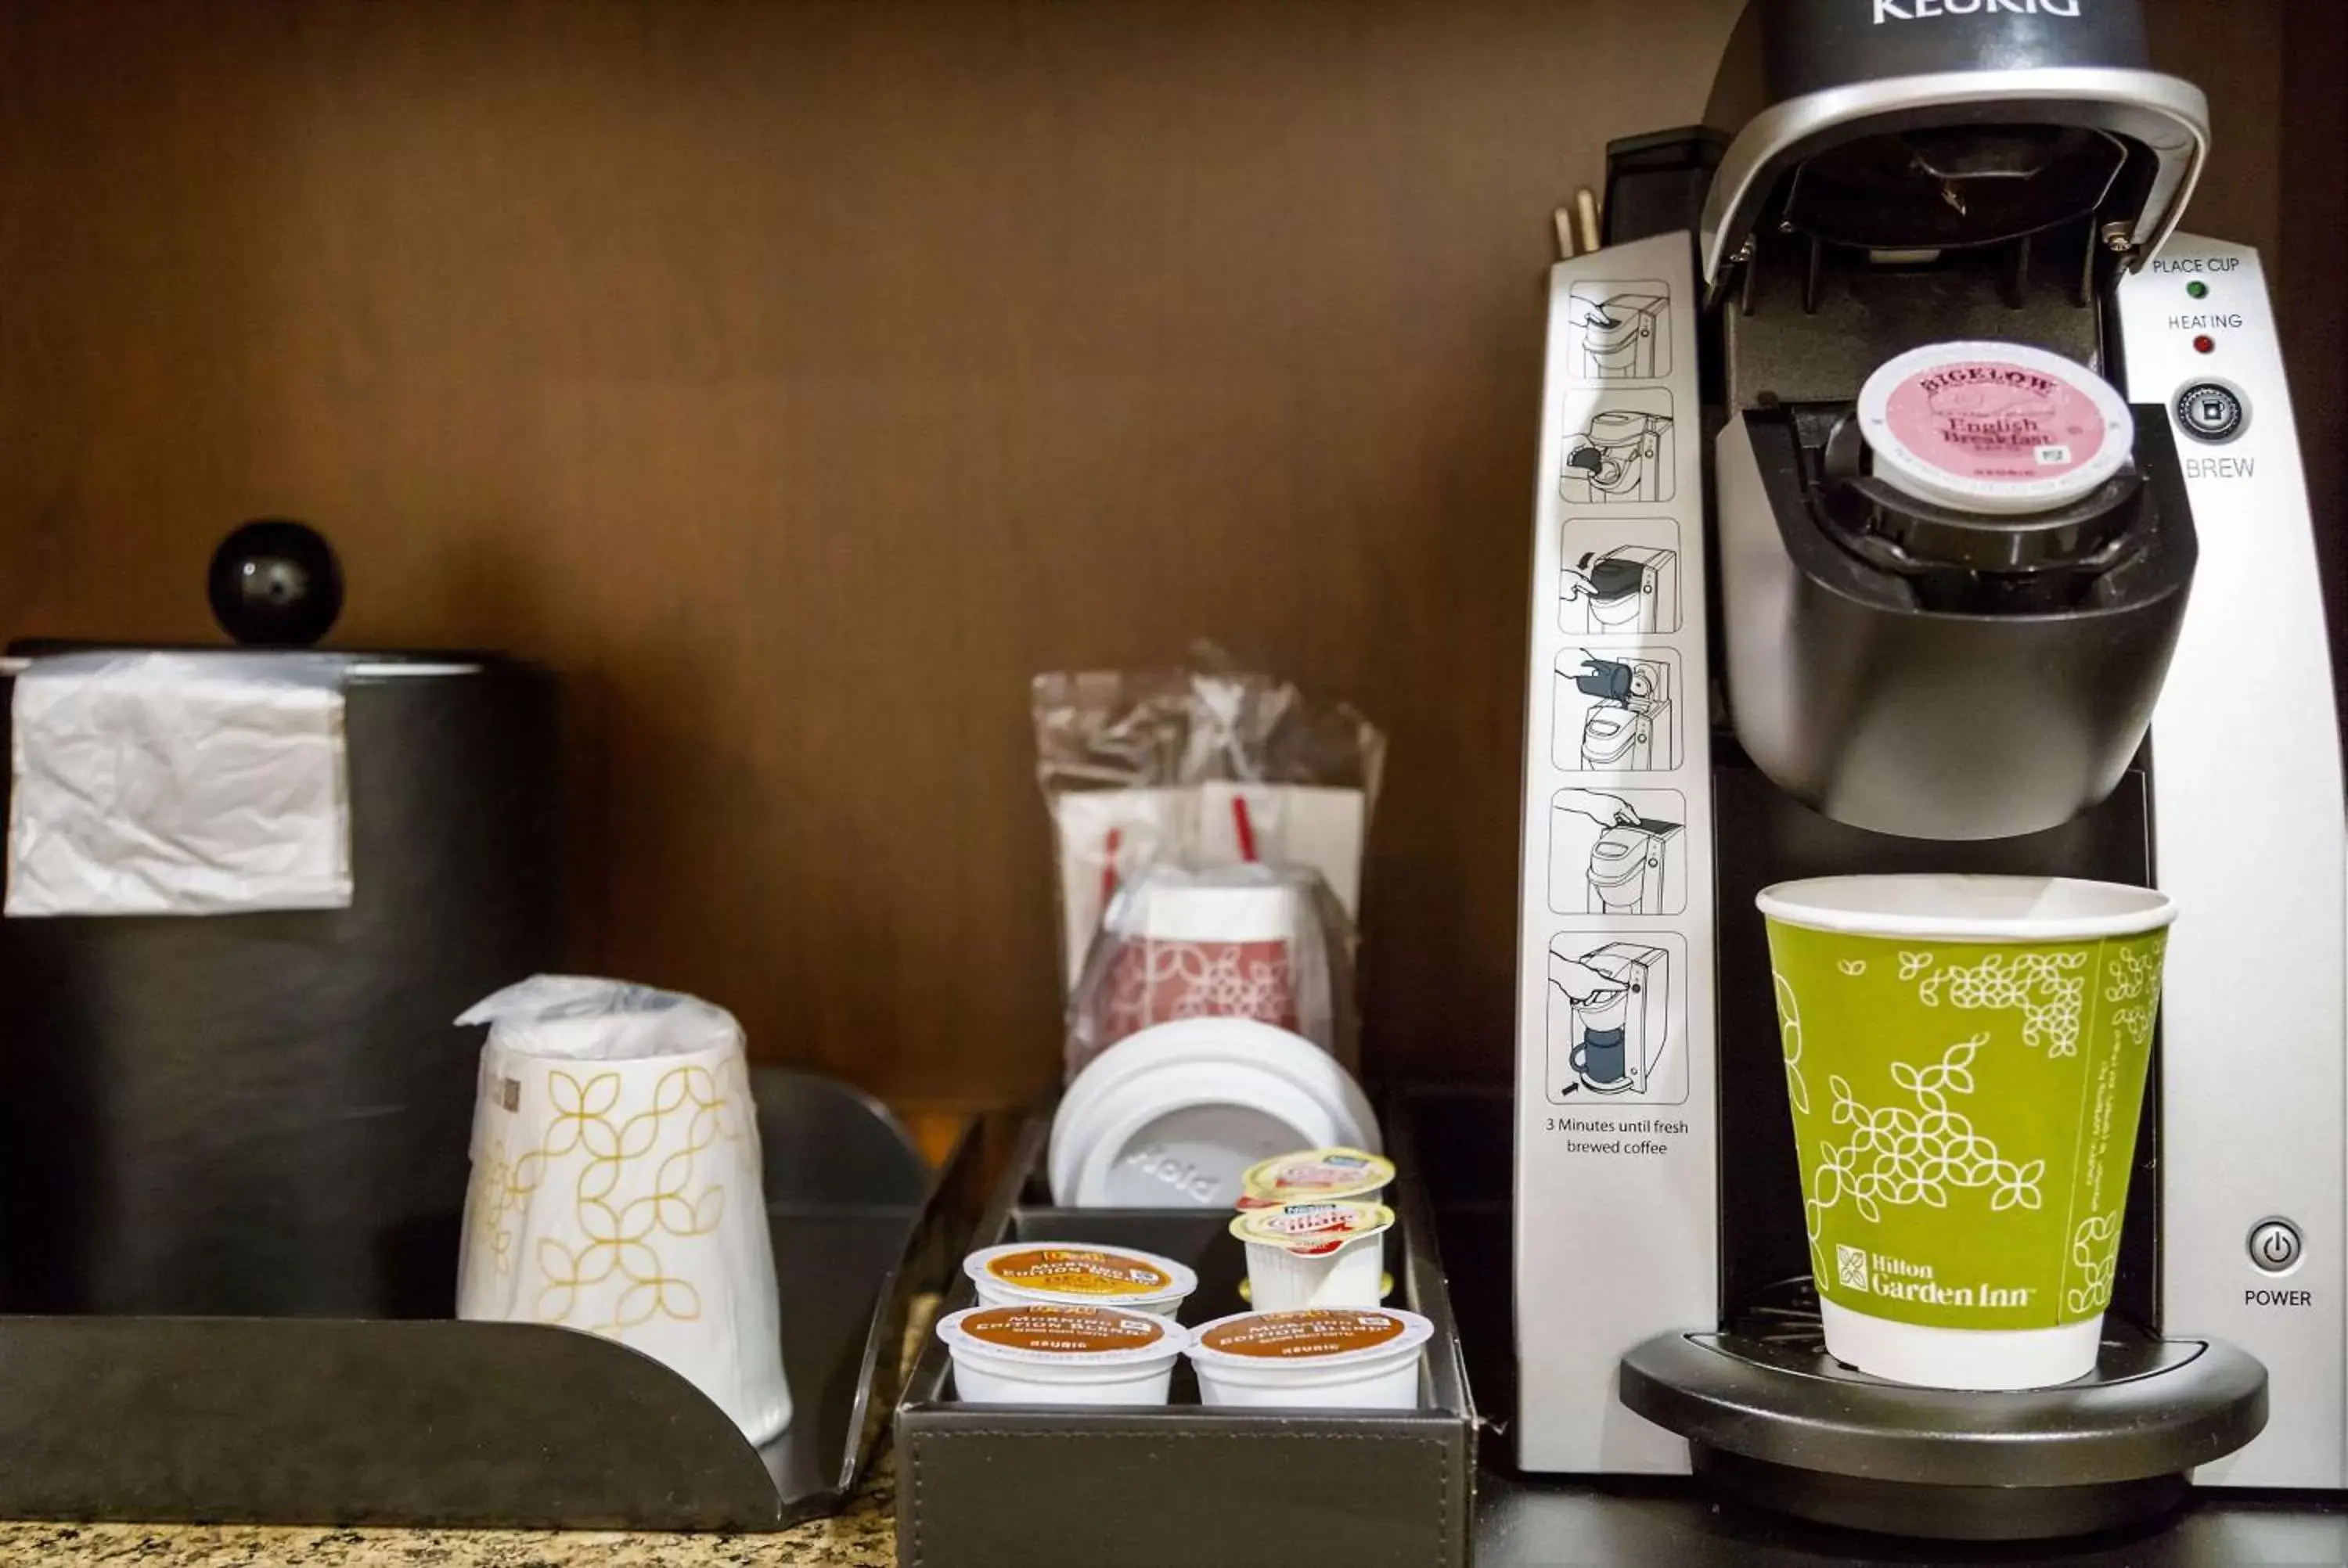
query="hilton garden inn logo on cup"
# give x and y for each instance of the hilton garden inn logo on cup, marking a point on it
(1900, 1280)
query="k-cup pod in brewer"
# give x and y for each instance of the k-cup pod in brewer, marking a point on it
(1993, 427)
(1040, 1353)
(617, 1185)
(1072, 1274)
(1314, 1174)
(1323, 1359)
(1966, 1060)
(1315, 1255)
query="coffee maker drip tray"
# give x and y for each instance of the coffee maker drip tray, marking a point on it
(1771, 1418)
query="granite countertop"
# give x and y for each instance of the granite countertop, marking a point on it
(864, 1536)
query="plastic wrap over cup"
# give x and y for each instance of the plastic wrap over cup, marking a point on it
(1267, 943)
(617, 1185)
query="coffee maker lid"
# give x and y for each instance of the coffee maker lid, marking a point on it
(2014, 111)
(1994, 427)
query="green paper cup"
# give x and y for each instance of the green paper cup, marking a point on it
(1966, 1058)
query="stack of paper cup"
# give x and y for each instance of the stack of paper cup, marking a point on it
(617, 1185)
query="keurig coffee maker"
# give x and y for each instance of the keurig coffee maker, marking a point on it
(2103, 659)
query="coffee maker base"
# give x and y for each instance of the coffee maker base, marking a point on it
(1773, 1421)
(1940, 1512)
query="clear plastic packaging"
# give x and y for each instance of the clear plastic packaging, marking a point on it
(1197, 768)
(1268, 943)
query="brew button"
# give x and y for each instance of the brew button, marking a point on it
(2274, 1245)
(2211, 411)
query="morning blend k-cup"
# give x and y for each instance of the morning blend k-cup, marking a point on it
(1966, 1060)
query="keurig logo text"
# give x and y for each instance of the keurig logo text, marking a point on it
(1924, 10)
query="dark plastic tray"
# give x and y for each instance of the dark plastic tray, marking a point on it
(989, 1484)
(499, 1425)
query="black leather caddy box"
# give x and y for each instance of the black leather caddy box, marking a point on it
(995, 1484)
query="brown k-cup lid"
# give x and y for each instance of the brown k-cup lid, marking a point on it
(1080, 1273)
(1318, 1335)
(1048, 1331)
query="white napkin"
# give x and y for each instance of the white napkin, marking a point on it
(617, 1185)
(178, 783)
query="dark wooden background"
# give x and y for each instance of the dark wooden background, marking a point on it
(798, 377)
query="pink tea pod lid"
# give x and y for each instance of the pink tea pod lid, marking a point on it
(1994, 427)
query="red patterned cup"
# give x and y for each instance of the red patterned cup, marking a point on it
(1205, 952)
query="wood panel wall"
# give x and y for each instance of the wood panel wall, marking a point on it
(798, 377)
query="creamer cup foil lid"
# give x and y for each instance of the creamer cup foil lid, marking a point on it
(1312, 1174)
(1043, 1332)
(1994, 427)
(1318, 1335)
(1312, 1230)
(1080, 1274)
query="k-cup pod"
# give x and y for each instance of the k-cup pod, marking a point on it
(1315, 1175)
(1966, 1060)
(1041, 1352)
(1320, 1359)
(1993, 427)
(1071, 1274)
(1315, 1255)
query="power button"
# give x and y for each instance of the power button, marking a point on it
(2274, 1245)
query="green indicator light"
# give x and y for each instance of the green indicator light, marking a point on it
(2199, 291)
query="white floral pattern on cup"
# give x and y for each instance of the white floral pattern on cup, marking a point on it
(1153, 982)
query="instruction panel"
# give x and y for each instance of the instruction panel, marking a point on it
(1616, 1190)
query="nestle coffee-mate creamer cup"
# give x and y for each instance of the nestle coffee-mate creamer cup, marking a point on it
(1965, 1057)
(1314, 1253)
(1316, 1174)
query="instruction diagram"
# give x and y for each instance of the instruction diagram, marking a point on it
(1618, 448)
(1616, 1014)
(1615, 713)
(1617, 852)
(1621, 332)
(1619, 577)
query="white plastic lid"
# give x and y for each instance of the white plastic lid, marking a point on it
(1314, 1337)
(1048, 1333)
(1995, 428)
(1079, 1274)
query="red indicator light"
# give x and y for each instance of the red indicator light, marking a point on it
(2204, 343)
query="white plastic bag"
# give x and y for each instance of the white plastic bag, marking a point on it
(618, 1187)
(178, 783)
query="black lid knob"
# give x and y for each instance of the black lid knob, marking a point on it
(276, 583)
